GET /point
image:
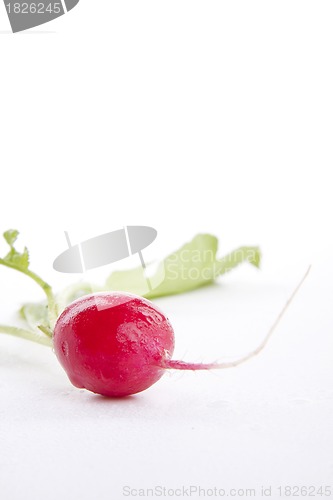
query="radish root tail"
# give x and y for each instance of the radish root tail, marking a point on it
(183, 365)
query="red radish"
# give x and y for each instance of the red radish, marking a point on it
(117, 344)
(113, 344)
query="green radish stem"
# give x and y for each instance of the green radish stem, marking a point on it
(26, 334)
(52, 305)
(183, 365)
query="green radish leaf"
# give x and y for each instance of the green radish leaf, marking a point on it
(11, 236)
(15, 258)
(35, 314)
(195, 264)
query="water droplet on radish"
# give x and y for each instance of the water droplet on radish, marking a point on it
(64, 348)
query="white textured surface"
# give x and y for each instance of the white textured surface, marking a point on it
(268, 422)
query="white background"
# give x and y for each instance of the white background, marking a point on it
(190, 117)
